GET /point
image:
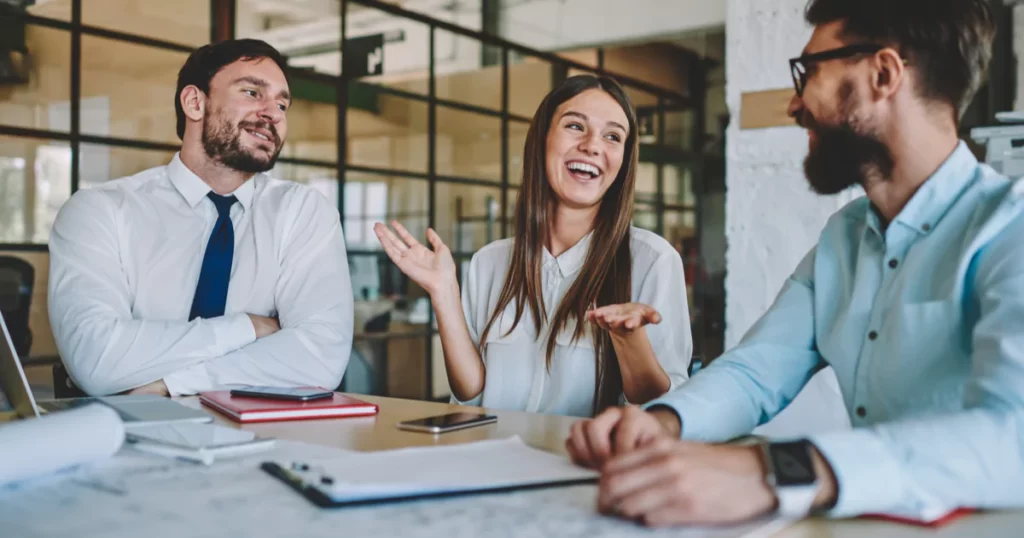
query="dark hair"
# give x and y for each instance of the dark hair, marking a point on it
(206, 61)
(606, 276)
(947, 42)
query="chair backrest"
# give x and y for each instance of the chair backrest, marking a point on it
(17, 278)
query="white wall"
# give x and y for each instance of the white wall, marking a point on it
(772, 217)
(566, 24)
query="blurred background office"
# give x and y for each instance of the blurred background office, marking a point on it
(417, 110)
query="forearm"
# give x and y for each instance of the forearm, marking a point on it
(643, 378)
(919, 468)
(108, 355)
(314, 353)
(462, 360)
(740, 390)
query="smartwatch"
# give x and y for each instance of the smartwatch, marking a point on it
(789, 470)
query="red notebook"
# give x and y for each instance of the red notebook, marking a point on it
(940, 520)
(246, 409)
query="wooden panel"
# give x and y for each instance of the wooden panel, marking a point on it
(759, 110)
(407, 362)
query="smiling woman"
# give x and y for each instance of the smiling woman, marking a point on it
(524, 335)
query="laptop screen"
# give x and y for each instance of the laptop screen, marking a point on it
(12, 377)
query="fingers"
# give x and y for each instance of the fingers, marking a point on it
(435, 241)
(577, 447)
(393, 246)
(628, 460)
(650, 467)
(638, 493)
(635, 429)
(590, 440)
(596, 318)
(650, 315)
(404, 234)
(624, 317)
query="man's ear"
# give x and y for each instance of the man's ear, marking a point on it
(193, 102)
(889, 73)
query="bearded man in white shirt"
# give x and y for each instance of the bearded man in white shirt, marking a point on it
(207, 272)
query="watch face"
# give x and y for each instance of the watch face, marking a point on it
(792, 462)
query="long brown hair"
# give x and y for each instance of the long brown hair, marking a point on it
(606, 275)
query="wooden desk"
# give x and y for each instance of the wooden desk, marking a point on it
(549, 432)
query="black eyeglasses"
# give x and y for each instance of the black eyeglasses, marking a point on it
(799, 66)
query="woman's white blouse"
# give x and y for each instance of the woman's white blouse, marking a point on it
(516, 373)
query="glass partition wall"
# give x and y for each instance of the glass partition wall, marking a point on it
(396, 115)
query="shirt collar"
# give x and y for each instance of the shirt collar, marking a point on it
(940, 192)
(193, 189)
(570, 261)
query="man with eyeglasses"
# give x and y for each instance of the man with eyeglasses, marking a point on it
(914, 295)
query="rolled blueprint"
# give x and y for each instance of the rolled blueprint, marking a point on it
(40, 446)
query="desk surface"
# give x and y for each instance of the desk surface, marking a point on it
(549, 432)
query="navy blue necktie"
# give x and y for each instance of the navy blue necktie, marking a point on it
(212, 289)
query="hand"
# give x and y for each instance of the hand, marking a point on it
(433, 270)
(671, 482)
(157, 387)
(264, 326)
(623, 319)
(617, 431)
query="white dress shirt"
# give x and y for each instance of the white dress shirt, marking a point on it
(517, 376)
(124, 262)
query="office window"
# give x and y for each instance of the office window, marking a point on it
(391, 133)
(449, 174)
(35, 86)
(35, 179)
(99, 163)
(128, 90)
(182, 21)
(307, 33)
(468, 145)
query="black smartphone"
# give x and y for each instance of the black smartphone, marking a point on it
(447, 423)
(301, 394)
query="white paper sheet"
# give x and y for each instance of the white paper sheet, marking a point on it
(135, 494)
(40, 446)
(485, 465)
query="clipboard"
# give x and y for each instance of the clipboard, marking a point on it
(408, 474)
(320, 496)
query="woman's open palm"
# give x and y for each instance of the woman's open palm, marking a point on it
(433, 270)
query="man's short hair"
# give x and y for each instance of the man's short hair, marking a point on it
(207, 60)
(948, 42)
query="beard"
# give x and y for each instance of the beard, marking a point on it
(222, 143)
(844, 155)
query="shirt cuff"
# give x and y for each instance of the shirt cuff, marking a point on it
(191, 380)
(691, 426)
(867, 476)
(232, 332)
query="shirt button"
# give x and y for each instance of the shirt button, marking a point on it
(926, 227)
(861, 412)
(893, 263)
(872, 335)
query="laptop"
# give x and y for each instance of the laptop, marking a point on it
(135, 410)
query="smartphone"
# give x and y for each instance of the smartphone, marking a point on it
(301, 394)
(447, 423)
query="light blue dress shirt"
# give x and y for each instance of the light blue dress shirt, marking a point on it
(923, 323)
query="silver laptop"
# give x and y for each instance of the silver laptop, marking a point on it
(134, 409)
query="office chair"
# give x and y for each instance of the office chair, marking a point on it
(17, 278)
